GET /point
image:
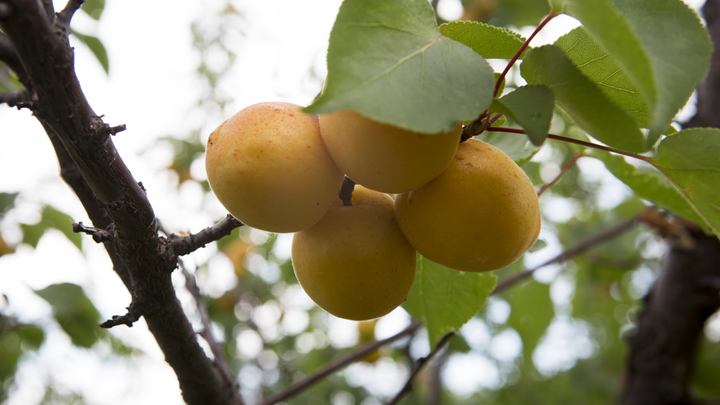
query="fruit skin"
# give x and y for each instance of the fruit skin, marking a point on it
(355, 263)
(383, 157)
(481, 214)
(269, 167)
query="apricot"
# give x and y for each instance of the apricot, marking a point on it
(480, 214)
(383, 157)
(269, 167)
(355, 263)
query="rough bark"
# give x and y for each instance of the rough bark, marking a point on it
(686, 293)
(91, 165)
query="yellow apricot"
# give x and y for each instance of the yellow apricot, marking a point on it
(269, 167)
(480, 214)
(383, 157)
(355, 263)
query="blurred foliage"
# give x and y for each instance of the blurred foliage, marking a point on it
(273, 336)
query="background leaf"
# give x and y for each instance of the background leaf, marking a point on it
(74, 311)
(97, 48)
(581, 98)
(649, 184)
(531, 314)
(51, 218)
(487, 40)
(690, 159)
(93, 8)
(7, 201)
(388, 61)
(531, 107)
(445, 299)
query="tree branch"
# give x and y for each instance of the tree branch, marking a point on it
(183, 245)
(19, 98)
(47, 58)
(663, 349)
(418, 366)
(568, 253)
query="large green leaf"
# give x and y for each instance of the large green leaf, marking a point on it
(581, 98)
(691, 160)
(487, 40)
(531, 314)
(531, 107)
(445, 299)
(51, 218)
(660, 44)
(602, 70)
(649, 184)
(74, 311)
(388, 61)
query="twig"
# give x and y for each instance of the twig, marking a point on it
(98, 235)
(338, 364)
(570, 252)
(418, 366)
(19, 98)
(128, 319)
(567, 166)
(206, 332)
(183, 245)
(63, 18)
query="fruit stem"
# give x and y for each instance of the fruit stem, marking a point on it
(577, 142)
(521, 50)
(346, 191)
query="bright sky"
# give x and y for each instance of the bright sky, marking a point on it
(152, 89)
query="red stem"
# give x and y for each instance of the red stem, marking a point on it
(567, 166)
(521, 50)
(577, 142)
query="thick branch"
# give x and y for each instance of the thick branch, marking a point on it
(19, 98)
(663, 349)
(61, 105)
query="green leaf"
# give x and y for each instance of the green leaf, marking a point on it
(649, 184)
(487, 40)
(582, 99)
(690, 159)
(7, 201)
(74, 311)
(51, 218)
(660, 44)
(388, 61)
(93, 8)
(445, 299)
(531, 107)
(97, 48)
(531, 314)
(602, 70)
(517, 146)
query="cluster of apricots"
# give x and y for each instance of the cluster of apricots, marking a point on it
(464, 205)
